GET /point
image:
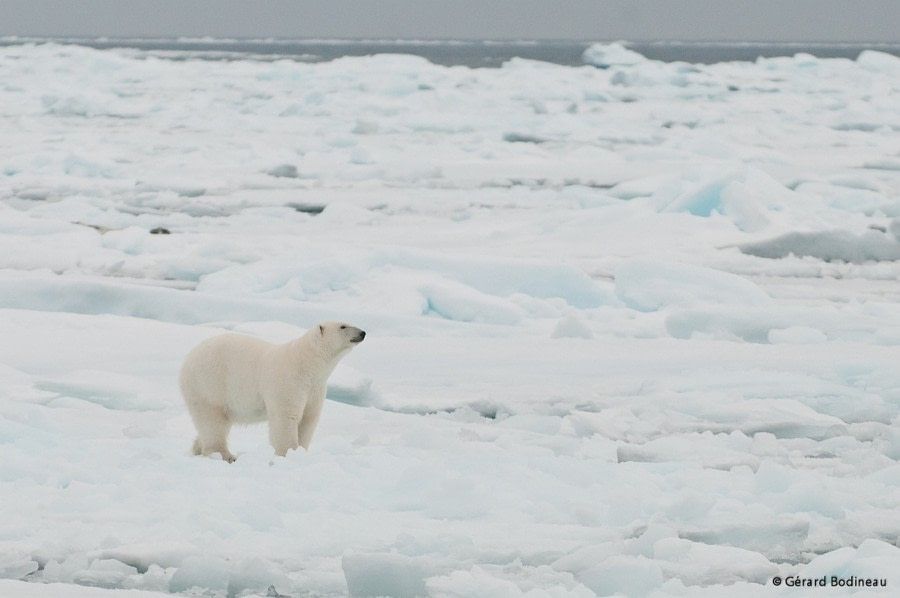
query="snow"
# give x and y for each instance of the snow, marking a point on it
(615, 54)
(631, 330)
(648, 286)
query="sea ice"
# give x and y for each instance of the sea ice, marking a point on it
(606, 55)
(632, 330)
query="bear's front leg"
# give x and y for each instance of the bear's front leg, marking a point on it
(308, 424)
(311, 413)
(283, 433)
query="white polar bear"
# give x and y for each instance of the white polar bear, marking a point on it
(234, 378)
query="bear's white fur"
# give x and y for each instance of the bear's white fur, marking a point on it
(233, 378)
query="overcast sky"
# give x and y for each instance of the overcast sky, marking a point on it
(729, 20)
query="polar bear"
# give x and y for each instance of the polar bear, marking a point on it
(233, 378)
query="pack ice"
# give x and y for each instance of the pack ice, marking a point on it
(633, 330)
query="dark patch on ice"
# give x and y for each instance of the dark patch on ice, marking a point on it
(532, 183)
(829, 246)
(97, 227)
(307, 208)
(589, 184)
(511, 183)
(543, 183)
(365, 127)
(485, 410)
(883, 165)
(625, 454)
(523, 138)
(690, 124)
(35, 194)
(273, 593)
(287, 171)
(190, 191)
(860, 126)
(159, 230)
(822, 454)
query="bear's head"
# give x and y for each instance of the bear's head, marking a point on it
(339, 337)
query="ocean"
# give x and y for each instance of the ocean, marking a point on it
(478, 53)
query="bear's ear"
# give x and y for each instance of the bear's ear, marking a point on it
(321, 330)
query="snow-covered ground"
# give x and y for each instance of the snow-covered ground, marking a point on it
(631, 330)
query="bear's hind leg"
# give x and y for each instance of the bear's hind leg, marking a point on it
(213, 427)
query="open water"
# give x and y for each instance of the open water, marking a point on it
(478, 53)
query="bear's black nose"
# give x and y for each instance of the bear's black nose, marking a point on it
(359, 337)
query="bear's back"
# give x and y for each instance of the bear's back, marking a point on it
(222, 366)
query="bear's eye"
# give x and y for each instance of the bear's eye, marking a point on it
(343, 327)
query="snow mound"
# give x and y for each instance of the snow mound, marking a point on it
(347, 385)
(607, 55)
(571, 326)
(881, 62)
(872, 560)
(797, 335)
(648, 286)
(492, 290)
(744, 195)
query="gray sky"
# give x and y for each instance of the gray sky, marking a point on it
(730, 20)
